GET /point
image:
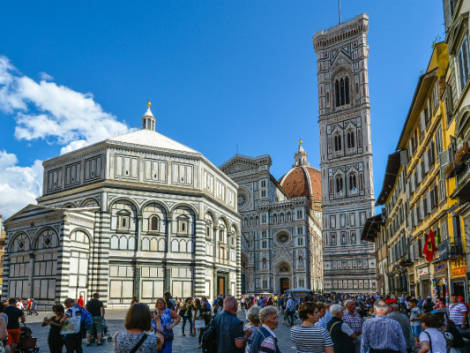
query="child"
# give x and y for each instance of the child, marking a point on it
(415, 320)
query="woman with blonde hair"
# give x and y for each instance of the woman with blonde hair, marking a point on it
(166, 319)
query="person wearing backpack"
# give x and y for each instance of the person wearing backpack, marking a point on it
(265, 340)
(96, 308)
(431, 339)
(72, 326)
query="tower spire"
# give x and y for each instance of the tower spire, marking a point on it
(148, 120)
(300, 157)
(339, 11)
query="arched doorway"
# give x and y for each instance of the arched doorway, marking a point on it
(284, 274)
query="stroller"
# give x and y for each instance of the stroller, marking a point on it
(27, 342)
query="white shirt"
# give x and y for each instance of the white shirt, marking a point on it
(437, 340)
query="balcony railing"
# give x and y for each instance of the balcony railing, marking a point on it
(456, 249)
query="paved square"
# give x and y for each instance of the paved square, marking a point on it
(115, 322)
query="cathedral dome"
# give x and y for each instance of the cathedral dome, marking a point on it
(302, 180)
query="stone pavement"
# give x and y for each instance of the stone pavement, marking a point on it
(115, 322)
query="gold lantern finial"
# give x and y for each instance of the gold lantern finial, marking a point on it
(149, 104)
(300, 142)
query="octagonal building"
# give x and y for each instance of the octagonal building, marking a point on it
(135, 215)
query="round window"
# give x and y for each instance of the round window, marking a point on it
(282, 238)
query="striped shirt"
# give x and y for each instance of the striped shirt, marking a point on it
(457, 312)
(312, 339)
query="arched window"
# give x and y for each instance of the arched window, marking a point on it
(353, 238)
(281, 218)
(343, 238)
(333, 239)
(342, 93)
(337, 142)
(114, 242)
(153, 223)
(337, 93)
(350, 139)
(352, 182)
(339, 184)
(275, 219)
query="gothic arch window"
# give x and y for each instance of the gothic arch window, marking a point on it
(350, 139)
(342, 91)
(281, 218)
(154, 223)
(47, 239)
(343, 238)
(301, 261)
(114, 242)
(352, 182)
(123, 243)
(337, 93)
(289, 217)
(338, 142)
(275, 219)
(339, 184)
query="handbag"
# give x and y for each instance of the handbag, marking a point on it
(136, 347)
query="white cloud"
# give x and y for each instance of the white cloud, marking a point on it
(47, 110)
(45, 76)
(19, 186)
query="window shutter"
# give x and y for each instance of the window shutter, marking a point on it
(428, 201)
(426, 161)
(418, 173)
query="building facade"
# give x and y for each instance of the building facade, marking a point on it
(135, 215)
(457, 155)
(281, 224)
(346, 155)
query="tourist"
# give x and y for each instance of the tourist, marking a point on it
(265, 339)
(137, 322)
(169, 303)
(71, 326)
(81, 301)
(307, 337)
(134, 300)
(29, 306)
(252, 324)
(325, 315)
(35, 306)
(55, 340)
(290, 311)
(228, 329)
(96, 308)
(167, 319)
(431, 339)
(13, 326)
(205, 316)
(404, 322)
(186, 312)
(428, 305)
(3, 327)
(341, 333)
(415, 322)
(382, 333)
(458, 313)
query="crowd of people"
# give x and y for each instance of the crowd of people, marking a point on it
(317, 323)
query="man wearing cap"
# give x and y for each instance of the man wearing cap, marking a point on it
(96, 309)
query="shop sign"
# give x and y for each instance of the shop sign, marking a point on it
(458, 268)
(440, 267)
(423, 271)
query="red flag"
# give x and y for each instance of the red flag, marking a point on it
(430, 246)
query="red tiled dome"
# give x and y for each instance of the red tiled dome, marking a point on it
(302, 181)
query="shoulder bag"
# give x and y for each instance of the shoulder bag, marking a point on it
(137, 346)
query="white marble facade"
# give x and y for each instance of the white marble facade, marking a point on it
(346, 155)
(281, 232)
(135, 215)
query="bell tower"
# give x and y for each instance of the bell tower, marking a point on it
(346, 155)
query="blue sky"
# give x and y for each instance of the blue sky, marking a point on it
(222, 76)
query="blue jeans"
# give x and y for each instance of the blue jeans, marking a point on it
(190, 319)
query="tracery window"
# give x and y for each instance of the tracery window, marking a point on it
(337, 142)
(339, 184)
(350, 139)
(342, 91)
(352, 182)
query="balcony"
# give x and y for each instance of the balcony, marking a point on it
(444, 250)
(456, 250)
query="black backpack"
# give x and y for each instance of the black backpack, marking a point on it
(209, 338)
